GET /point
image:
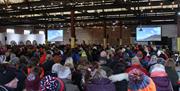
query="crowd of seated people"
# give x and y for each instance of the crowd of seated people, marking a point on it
(88, 68)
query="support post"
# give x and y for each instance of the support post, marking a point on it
(178, 30)
(105, 35)
(46, 34)
(72, 29)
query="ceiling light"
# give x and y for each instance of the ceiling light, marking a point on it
(178, 13)
(9, 6)
(161, 4)
(151, 11)
(92, 3)
(149, 3)
(52, 3)
(42, 6)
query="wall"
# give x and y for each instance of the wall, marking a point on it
(95, 35)
(169, 31)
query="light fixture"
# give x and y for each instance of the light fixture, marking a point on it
(161, 4)
(151, 11)
(52, 3)
(92, 3)
(9, 6)
(149, 3)
(178, 13)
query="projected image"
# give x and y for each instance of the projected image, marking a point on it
(148, 34)
(55, 35)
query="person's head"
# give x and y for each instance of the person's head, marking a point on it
(158, 70)
(119, 68)
(63, 72)
(100, 73)
(153, 58)
(69, 63)
(137, 80)
(170, 63)
(48, 57)
(161, 61)
(8, 78)
(36, 70)
(135, 60)
(103, 54)
(33, 61)
(23, 59)
(15, 62)
(57, 57)
(49, 83)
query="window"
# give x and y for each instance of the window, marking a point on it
(10, 30)
(41, 32)
(27, 31)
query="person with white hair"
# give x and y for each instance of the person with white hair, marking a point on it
(64, 73)
(69, 63)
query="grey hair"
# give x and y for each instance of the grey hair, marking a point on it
(100, 74)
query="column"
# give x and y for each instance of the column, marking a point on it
(178, 28)
(120, 35)
(178, 33)
(46, 34)
(105, 35)
(72, 29)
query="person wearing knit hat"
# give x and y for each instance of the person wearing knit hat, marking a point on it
(136, 64)
(138, 81)
(158, 70)
(160, 78)
(49, 83)
(8, 78)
